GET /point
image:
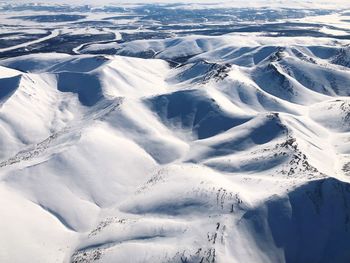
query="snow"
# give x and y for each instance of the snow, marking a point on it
(33, 230)
(230, 148)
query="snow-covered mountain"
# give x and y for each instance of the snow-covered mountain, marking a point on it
(230, 147)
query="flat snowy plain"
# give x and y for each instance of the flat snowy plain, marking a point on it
(175, 133)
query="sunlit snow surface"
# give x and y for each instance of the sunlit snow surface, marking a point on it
(174, 133)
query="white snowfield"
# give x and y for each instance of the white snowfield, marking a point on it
(242, 154)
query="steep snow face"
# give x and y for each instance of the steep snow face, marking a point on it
(304, 223)
(225, 148)
(193, 110)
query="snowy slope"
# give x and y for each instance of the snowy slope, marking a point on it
(230, 148)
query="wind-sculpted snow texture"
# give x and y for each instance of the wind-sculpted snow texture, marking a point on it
(180, 137)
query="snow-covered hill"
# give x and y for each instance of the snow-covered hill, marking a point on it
(228, 148)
